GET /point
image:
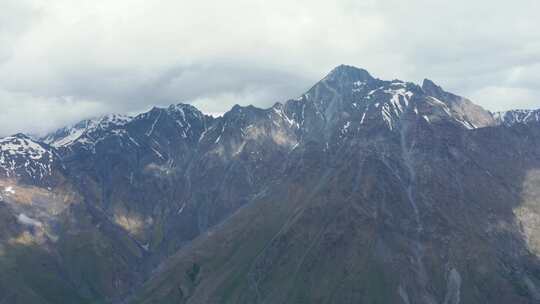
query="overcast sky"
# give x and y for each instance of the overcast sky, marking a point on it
(64, 60)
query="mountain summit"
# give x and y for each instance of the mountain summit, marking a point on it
(361, 190)
(344, 74)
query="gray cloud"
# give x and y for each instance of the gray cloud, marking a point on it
(63, 60)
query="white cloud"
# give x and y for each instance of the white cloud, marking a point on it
(21, 112)
(504, 98)
(126, 55)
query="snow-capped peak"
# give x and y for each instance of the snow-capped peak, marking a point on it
(181, 107)
(21, 155)
(70, 134)
(113, 120)
(21, 144)
(513, 117)
(185, 115)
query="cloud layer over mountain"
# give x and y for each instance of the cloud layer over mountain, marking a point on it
(61, 60)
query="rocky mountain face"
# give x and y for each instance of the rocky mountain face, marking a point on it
(361, 190)
(512, 117)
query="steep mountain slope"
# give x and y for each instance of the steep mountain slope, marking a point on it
(137, 191)
(472, 116)
(360, 190)
(53, 247)
(442, 229)
(413, 207)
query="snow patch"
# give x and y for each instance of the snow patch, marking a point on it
(28, 221)
(82, 131)
(21, 155)
(9, 190)
(453, 288)
(181, 209)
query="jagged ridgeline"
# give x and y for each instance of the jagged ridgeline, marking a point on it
(359, 191)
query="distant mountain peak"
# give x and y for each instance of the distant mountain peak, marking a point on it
(465, 111)
(345, 68)
(429, 85)
(519, 116)
(348, 73)
(349, 94)
(434, 90)
(70, 134)
(21, 155)
(21, 136)
(183, 106)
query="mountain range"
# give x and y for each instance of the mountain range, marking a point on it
(361, 190)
